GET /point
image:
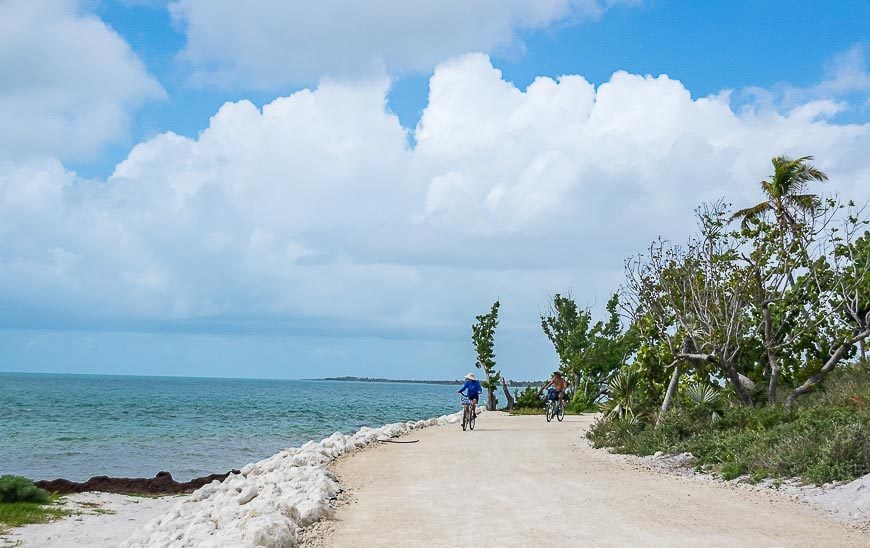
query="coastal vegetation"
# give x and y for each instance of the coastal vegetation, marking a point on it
(825, 437)
(19, 489)
(483, 338)
(588, 353)
(728, 332)
(21, 503)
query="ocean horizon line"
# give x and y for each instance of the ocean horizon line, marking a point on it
(341, 378)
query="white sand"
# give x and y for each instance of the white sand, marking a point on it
(99, 520)
(519, 481)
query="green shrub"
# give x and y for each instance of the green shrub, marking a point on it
(825, 438)
(528, 399)
(18, 489)
(732, 470)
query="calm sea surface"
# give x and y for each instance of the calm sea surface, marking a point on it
(78, 426)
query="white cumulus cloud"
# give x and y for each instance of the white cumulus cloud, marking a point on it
(269, 43)
(316, 209)
(67, 81)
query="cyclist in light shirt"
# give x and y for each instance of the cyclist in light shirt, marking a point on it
(560, 384)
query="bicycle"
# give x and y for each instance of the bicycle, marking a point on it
(554, 406)
(469, 416)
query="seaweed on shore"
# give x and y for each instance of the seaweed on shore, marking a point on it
(161, 484)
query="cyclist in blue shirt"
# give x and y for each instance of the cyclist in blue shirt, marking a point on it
(474, 390)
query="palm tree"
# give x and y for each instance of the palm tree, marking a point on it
(785, 199)
(785, 193)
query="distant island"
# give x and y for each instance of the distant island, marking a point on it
(512, 384)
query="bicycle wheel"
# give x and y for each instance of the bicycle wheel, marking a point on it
(473, 418)
(560, 412)
(549, 411)
(464, 417)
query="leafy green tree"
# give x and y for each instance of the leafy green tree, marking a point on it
(567, 327)
(588, 353)
(781, 311)
(695, 297)
(483, 338)
(841, 278)
(610, 346)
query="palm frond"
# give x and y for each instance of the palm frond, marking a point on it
(702, 394)
(803, 202)
(791, 175)
(750, 213)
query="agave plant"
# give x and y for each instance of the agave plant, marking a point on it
(625, 393)
(706, 398)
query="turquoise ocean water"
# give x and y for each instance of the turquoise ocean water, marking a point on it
(78, 426)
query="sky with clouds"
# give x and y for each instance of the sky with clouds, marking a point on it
(299, 189)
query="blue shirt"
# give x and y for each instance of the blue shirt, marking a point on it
(473, 388)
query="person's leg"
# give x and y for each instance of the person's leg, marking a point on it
(474, 408)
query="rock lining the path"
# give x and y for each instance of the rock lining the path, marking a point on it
(267, 503)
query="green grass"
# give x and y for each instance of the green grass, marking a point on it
(529, 411)
(16, 514)
(22, 503)
(826, 438)
(526, 411)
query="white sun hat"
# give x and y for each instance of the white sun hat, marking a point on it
(471, 377)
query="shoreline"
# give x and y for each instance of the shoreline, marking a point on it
(271, 501)
(289, 497)
(279, 495)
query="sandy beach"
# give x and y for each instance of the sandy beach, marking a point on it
(98, 520)
(513, 481)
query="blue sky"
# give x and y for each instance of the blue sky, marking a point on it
(289, 226)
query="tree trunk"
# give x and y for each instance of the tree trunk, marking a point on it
(672, 387)
(861, 351)
(492, 401)
(507, 394)
(827, 368)
(774, 377)
(772, 362)
(817, 378)
(738, 385)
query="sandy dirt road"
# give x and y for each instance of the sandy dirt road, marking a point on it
(518, 481)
